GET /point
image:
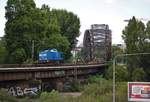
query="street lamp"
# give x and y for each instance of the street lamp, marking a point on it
(114, 63)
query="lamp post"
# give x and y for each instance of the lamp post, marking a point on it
(114, 65)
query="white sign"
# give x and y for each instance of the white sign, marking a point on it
(139, 91)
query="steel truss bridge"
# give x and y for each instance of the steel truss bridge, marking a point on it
(97, 43)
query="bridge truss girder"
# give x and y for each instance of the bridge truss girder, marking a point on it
(97, 44)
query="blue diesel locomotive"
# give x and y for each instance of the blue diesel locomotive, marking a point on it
(50, 55)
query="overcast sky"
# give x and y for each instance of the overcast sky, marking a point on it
(111, 12)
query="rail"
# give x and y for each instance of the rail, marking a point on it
(9, 69)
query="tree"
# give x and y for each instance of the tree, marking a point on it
(61, 30)
(25, 24)
(145, 47)
(136, 38)
(121, 73)
(46, 28)
(69, 27)
(138, 74)
(18, 56)
(133, 35)
(56, 41)
(3, 52)
(16, 8)
(19, 24)
(117, 51)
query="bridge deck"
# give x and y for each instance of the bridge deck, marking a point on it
(49, 68)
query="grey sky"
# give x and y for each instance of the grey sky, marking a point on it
(111, 12)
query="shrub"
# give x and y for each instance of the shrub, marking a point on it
(121, 73)
(138, 74)
(50, 97)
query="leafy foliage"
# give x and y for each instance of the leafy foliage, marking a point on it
(69, 26)
(18, 55)
(138, 74)
(3, 52)
(46, 28)
(121, 73)
(116, 50)
(50, 97)
(136, 36)
(98, 91)
(93, 89)
(94, 79)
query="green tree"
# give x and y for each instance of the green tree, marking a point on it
(69, 27)
(145, 60)
(56, 41)
(136, 38)
(19, 23)
(16, 8)
(53, 37)
(138, 74)
(18, 56)
(117, 51)
(3, 52)
(46, 28)
(121, 73)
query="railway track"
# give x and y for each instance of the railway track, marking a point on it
(43, 65)
(49, 68)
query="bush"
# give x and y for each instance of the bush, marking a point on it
(50, 97)
(98, 86)
(138, 74)
(75, 87)
(18, 56)
(121, 73)
(95, 79)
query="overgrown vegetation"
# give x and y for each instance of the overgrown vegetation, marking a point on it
(121, 73)
(136, 36)
(98, 89)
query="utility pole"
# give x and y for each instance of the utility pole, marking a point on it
(32, 51)
(75, 62)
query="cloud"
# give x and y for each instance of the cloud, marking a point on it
(110, 1)
(147, 1)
